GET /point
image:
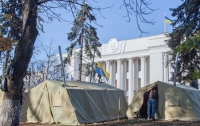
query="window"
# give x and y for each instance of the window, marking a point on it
(115, 83)
(127, 66)
(127, 84)
(139, 65)
(139, 82)
(115, 67)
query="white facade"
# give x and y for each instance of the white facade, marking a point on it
(131, 63)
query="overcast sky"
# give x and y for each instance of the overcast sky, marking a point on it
(114, 24)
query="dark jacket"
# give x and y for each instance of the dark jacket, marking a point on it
(153, 94)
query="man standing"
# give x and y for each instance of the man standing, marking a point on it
(152, 104)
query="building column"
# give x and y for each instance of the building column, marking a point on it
(147, 70)
(131, 80)
(123, 72)
(119, 62)
(108, 70)
(83, 69)
(143, 71)
(170, 67)
(136, 74)
(166, 67)
(112, 73)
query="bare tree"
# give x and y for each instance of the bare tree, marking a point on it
(20, 21)
(42, 66)
(140, 8)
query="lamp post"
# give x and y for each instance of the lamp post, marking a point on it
(96, 44)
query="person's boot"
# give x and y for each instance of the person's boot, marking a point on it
(153, 118)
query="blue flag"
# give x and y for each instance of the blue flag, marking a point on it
(101, 71)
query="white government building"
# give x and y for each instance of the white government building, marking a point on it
(131, 63)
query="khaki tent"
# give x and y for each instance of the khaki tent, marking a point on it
(181, 102)
(79, 102)
(1, 98)
(24, 95)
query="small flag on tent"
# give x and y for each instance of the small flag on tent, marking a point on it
(101, 71)
(168, 20)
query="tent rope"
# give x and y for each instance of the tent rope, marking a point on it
(96, 105)
(79, 104)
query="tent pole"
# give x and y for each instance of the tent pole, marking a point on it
(62, 66)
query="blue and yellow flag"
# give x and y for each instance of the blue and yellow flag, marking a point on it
(101, 71)
(168, 20)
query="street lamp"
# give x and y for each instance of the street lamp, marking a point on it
(95, 44)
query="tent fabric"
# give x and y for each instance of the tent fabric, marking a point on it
(181, 102)
(24, 95)
(77, 103)
(1, 99)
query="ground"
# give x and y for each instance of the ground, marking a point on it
(131, 122)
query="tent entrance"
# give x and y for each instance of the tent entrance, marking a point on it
(143, 109)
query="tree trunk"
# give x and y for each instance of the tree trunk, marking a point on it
(6, 61)
(23, 53)
(81, 57)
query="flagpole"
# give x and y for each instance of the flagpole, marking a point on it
(164, 23)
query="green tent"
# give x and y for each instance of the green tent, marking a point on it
(77, 103)
(181, 102)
